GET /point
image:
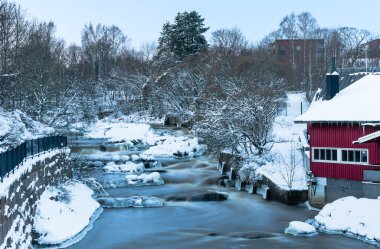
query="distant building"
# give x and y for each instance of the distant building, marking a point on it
(344, 139)
(372, 53)
(302, 55)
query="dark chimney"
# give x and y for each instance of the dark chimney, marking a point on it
(332, 82)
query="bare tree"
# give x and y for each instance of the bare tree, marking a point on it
(288, 164)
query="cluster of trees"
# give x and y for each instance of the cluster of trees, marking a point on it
(229, 89)
(346, 44)
(52, 82)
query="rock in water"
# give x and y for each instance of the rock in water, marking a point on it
(298, 228)
(200, 196)
(209, 196)
(133, 201)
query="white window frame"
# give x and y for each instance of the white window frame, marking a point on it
(339, 156)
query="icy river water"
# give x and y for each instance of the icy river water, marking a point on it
(242, 221)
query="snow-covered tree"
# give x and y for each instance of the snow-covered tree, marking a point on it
(183, 38)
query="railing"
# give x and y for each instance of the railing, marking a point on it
(10, 159)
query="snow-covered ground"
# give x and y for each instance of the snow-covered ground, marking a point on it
(137, 118)
(177, 146)
(351, 216)
(280, 169)
(16, 127)
(64, 212)
(161, 145)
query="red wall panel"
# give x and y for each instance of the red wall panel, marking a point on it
(342, 136)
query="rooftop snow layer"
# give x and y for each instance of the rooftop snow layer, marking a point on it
(358, 102)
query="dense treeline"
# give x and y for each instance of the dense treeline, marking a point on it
(228, 88)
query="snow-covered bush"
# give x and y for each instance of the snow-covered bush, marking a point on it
(16, 127)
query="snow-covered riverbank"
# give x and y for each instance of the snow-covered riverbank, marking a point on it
(160, 144)
(64, 213)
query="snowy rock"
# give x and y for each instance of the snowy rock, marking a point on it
(97, 164)
(134, 201)
(157, 164)
(147, 158)
(298, 228)
(153, 177)
(129, 167)
(135, 158)
(176, 147)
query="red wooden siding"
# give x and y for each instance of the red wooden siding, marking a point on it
(342, 136)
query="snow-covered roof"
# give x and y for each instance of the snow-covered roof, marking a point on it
(367, 138)
(358, 102)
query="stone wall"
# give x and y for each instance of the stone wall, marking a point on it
(19, 202)
(338, 188)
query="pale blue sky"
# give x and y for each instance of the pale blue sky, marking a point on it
(142, 20)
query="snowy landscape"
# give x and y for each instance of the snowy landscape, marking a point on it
(201, 137)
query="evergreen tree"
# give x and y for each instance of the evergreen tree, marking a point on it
(183, 38)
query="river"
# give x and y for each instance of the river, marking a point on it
(242, 221)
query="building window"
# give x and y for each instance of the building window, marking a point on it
(325, 154)
(335, 155)
(355, 156)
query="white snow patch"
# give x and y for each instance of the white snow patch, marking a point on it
(64, 212)
(299, 228)
(154, 177)
(175, 146)
(129, 167)
(135, 158)
(349, 215)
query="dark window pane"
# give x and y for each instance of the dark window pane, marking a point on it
(328, 155)
(334, 155)
(350, 156)
(316, 154)
(364, 156)
(323, 155)
(344, 155)
(357, 155)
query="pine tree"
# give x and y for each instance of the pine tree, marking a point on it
(183, 38)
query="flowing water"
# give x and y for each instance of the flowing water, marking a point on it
(242, 221)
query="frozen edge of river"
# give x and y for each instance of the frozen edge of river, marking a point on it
(79, 236)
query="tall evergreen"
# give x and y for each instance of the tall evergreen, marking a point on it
(184, 37)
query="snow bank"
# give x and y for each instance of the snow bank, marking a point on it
(154, 177)
(123, 132)
(175, 146)
(63, 212)
(16, 127)
(351, 216)
(298, 228)
(129, 167)
(163, 145)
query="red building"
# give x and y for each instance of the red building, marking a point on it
(344, 138)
